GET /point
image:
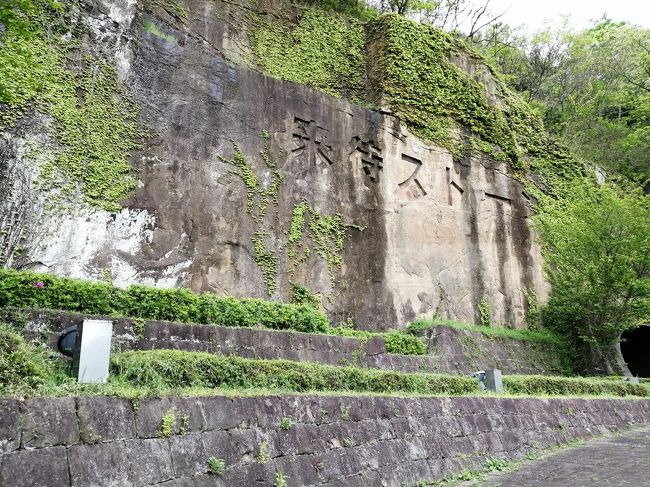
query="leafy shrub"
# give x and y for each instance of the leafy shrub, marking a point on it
(22, 365)
(30, 290)
(404, 344)
(177, 369)
(572, 386)
(302, 295)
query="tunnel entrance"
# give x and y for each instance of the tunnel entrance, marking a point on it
(635, 347)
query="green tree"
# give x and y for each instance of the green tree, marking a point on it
(592, 88)
(597, 251)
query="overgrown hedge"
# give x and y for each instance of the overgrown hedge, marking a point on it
(570, 386)
(31, 290)
(177, 369)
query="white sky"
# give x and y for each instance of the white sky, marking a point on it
(533, 14)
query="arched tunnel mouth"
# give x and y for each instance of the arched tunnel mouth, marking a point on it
(635, 347)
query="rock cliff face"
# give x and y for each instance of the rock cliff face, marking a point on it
(246, 184)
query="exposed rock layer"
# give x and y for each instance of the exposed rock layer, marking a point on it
(394, 228)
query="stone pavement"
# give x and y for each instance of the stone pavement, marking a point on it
(621, 460)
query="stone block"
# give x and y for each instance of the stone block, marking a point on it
(222, 413)
(299, 341)
(188, 413)
(10, 425)
(188, 454)
(50, 422)
(46, 467)
(301, 439)
(149, 461)
(100, 465)
(494, 381)
(219, 444)
(104, 419)
(262, 411)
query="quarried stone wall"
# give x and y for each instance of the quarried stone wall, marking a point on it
(311, 440)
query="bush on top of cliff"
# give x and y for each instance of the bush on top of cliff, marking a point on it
(31, 290)
(22, 365)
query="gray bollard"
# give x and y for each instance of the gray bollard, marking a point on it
(493, 381)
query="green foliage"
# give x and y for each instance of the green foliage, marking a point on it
(176, 369)
(267, 262)
(395, 341)
(302, 295)
(17, 289)
(597, 247)
(435, 97)
(167, 424)
(280, 480)
(216, 466)
(22, 365)
(245, 172)
(532, 313)
(94, 122)
(592, 88)
(484, 312)
(285, 423)
(152, 28)
(327, 233)
(404, 344)
(569, 386)
(323, 50)
(264, 456)
(495, 464)
(540, 336)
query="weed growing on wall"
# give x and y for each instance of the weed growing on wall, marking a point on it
(216, 466)
(484, 312)
(167, 424)
(281, 480)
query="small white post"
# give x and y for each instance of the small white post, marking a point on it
(93, 351)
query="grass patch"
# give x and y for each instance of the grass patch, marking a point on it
(559, 386)
(176, 369)
(540, 336)
(22, 365)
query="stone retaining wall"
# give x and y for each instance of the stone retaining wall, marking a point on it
(326, 441)
(450, 351)
(465, 351)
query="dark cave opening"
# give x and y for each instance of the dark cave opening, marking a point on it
(636, 350)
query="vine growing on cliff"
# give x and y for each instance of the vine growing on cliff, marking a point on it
(93, 120)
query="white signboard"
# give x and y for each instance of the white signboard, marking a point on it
(94, 351)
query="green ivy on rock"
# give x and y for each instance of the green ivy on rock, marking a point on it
(94, 123)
